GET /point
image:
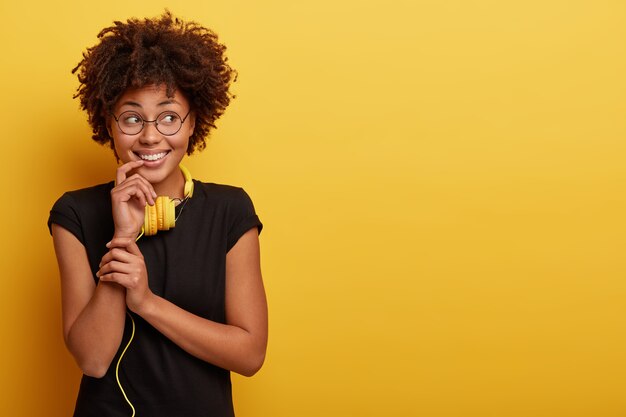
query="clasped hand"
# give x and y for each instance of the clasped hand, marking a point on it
(124, 264)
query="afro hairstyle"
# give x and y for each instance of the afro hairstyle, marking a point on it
(165, 50)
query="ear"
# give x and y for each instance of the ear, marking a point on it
(108, 126)
(192, 123)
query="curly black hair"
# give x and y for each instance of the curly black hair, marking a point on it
(165, 50)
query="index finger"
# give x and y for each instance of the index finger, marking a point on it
(120, 174)
(120, 242)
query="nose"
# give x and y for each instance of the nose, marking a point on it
(149, 134)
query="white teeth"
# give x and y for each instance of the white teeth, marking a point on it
(153, 157)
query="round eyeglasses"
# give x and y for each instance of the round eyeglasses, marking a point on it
(167, 123)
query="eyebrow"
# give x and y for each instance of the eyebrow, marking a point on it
(135, 104)
(169, 101)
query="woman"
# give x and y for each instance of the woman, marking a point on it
(157, 319)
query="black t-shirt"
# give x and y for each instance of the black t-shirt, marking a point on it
(186, 265)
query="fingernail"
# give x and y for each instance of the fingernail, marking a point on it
(108, 244)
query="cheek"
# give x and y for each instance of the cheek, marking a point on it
(180, 142)
(121, 148)
(182, 147)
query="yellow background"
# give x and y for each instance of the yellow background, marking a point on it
(441, 183)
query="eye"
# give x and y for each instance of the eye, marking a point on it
(169, 118)
(131, 119)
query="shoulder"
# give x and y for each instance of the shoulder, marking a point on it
(93, 194)
(85, 197)
(77, 208)
(220, 193)
(234, 206)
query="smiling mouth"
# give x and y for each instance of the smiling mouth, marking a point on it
(152, 157)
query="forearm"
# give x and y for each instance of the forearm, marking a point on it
(227, 346)
(96, 334)
(239, 345)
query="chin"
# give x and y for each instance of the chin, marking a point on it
(153, 176)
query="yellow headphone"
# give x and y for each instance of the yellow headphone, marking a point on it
(161, 215)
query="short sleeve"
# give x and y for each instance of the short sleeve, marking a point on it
(65, 214)
(242, 218)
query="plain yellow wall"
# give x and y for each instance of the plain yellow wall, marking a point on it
(442, 187)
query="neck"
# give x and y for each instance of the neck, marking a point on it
(171, 186)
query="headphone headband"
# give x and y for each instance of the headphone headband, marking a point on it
(188, 190)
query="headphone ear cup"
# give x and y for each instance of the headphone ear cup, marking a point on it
(158, 204)
(162, 215)
(166, 212)
(150, 220)
(170, 214)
